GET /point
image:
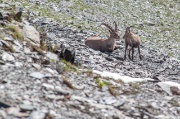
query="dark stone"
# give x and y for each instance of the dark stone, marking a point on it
(4, 105)
(67, 54)
(45, 62)
(1, 16)
(109, 58)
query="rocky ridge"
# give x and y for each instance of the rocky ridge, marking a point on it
(35, 84)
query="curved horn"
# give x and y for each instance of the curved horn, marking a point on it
(115, 26)
(110, 28)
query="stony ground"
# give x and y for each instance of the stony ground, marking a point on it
(36, 84)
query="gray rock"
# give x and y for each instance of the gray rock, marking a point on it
(52, 56)
(27, 51)
(24, 107)
(109, 100)
(3, 114)
(48, 75)
(18, 64)
(50, 70)
(2, 62)
(26, 102)
(7, 57)
(37, 75)
(37, 66)
(37, 115)
(60, 90)
(7, 39)
(31, 34)
(59, 67)
(48, 86)
(12, 110)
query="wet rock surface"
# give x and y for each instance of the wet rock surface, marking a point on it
(35, 84)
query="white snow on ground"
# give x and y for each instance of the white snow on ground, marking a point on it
(125, 79)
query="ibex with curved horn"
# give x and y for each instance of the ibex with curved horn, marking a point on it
(133, 41)
(101, 44)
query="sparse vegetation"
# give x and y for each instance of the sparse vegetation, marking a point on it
(102, 83)
(16, 32)
(69, 67)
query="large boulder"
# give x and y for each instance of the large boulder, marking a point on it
(31, 34)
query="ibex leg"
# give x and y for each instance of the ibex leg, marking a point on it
(139, 53)
(125, 52)
(132, 53)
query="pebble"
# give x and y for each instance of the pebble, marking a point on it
(25, 107)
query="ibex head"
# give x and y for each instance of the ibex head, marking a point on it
(113, 32)
(127, 32)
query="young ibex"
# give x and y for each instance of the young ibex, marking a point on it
(133, 41)
(101, 44)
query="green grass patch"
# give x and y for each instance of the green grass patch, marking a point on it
(69, 67)
(102, 83)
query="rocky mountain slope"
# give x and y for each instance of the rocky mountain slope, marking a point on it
(35, 83)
